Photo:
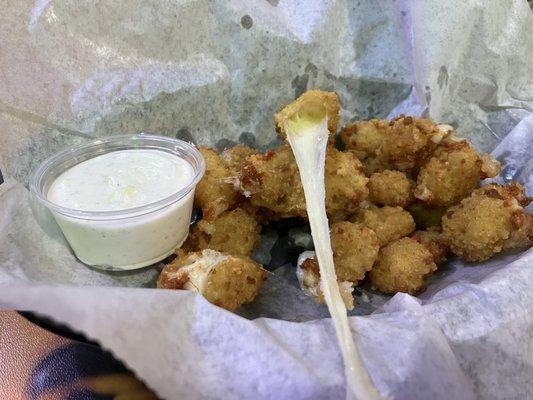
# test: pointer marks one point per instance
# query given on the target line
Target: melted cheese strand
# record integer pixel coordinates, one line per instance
(309, 150)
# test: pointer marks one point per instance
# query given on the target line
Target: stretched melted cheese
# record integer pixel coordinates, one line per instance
(310, 152)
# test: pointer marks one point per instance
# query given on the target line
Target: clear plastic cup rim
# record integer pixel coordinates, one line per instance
(115, 143)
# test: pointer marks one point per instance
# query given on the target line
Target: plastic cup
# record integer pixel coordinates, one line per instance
(122, 239)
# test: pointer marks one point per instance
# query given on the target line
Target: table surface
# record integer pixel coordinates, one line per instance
(37, 364)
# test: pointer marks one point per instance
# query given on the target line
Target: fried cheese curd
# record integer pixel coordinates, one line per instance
(235, 159)
(234, 232)
(433, 240)
(272, 181)
(355, 248)
(402, 266)
(224, 280)
(308, 273)
(390, 188)
(215, 192)
(409, 141)
(489, 221)
(346, 184)
(452, 172)
(236, 156)
(389, 223)
(327, 100)
(373, 165)
(364, 137)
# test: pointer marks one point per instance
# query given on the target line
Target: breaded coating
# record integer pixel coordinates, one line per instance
(272, 181)
(452, 172)
(435, 242)
(224, 280)
(355, 248)
(390, 188)
(261, 215)
(346, 184)
(522, 233)
(426, 216)
(215, 192)
(235, 157)
(490, 220)
(233, 232)
(364, 137)
(490, 167)
(309, 99)
(402, 266)
(373, 165)
(389, 223)
(308, 274)
(409, 141)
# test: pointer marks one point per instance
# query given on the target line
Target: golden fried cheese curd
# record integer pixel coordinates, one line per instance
(215, 192)
(488, 221)
(409, 141)
(364, 137)
(452, 172)
(390, 188)
(320, 98)
(389, 223)
(402, 266)
(272, 181)
(346, 183)
(433, 240)
(234, 232)
(235, 157)
(355, 249)
(224, 280)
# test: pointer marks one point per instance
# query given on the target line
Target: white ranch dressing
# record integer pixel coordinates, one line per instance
(310, 153)
(121, 180)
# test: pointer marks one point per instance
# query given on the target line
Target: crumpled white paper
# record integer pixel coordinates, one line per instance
(215, 72)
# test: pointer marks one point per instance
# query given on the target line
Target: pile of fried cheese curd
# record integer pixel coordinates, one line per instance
(400, 197)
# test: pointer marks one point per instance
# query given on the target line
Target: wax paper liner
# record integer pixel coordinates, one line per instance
(215, 72)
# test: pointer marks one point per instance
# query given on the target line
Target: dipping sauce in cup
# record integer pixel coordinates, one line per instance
(122, 202)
